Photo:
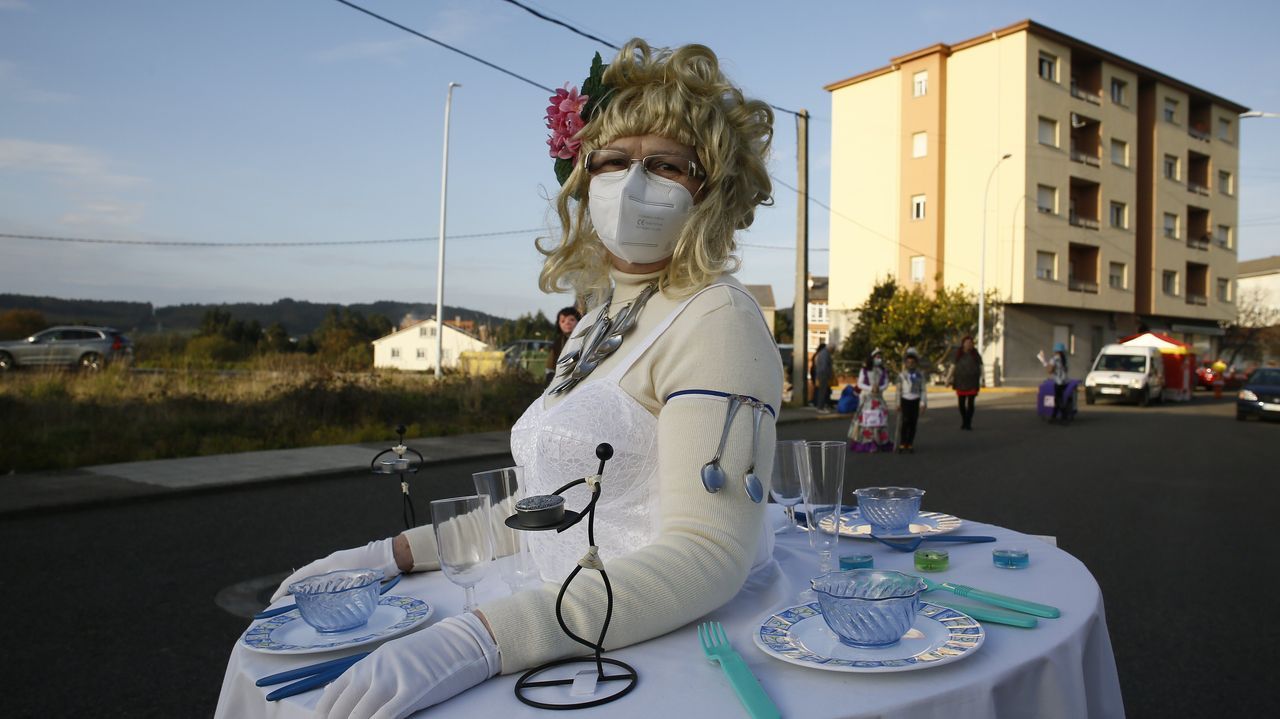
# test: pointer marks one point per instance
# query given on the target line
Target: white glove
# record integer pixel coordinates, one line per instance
(414, 672)
(374, 555)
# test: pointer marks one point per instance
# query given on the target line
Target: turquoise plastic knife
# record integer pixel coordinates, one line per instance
(991, 616)
(1000, 600)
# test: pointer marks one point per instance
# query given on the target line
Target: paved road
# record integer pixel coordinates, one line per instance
(1172, 509)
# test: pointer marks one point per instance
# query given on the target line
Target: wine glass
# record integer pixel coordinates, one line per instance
(464, 541)
(787, 487)
(823, 491)
(505, 487)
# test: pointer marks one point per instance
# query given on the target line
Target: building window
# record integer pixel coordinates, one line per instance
(1120, 153)
(1116, 278)
(1169, 282)
(1048, 132)
(422, 331)
(1171, 110)
(1223, 236)
(395, 352)
(422, 353)
(1171, 225)
(1046, 264)
(917, 269)
(1224, 129)
(1048, 67)
(1119, 215)
(920, 84)
(1047, 199)
(818, 313)
(920, 144)
(1224, 182)
(1224, 289)
(917, 207)
(1171, 167)
(1119, 92)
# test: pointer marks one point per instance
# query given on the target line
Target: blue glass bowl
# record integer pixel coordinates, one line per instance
(868, 608)
(338, 601)
(889, 510)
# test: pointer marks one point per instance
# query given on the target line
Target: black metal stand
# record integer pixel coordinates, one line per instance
(400, 466)
(628, 677)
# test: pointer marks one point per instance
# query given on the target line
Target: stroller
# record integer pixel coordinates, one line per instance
(1044, 400)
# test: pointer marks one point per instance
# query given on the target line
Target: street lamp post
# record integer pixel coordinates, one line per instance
(444, 194)
(982, 269)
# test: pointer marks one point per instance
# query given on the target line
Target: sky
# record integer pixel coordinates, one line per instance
(244, 121)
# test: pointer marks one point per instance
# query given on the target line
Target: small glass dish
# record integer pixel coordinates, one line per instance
(868, 608)
(889, 510)
(338, 601)
(1011, 558)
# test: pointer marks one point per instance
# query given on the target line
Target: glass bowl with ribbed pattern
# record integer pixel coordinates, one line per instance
(868, 608)
(338, 601)
(889, 510)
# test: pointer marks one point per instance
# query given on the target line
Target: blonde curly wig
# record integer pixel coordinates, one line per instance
(682, 95)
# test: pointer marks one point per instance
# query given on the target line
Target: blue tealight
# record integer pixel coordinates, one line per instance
(1017, 558)
(857, 561)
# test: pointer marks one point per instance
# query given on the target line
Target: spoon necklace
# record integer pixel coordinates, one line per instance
(602, 339)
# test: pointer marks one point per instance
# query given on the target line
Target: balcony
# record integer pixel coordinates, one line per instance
(1197, 299)
(1087, 96)
(1086, 140)
(1085, 158)
(1077, 221)
(1199, 231)
(1198, 243)
(1197, 188)
(1199, 119)
(1197, 283)
(1082, 268)
(1083, 205)
(1086, 78)
(1199, 133)
(1198, 173)
(1082, 286)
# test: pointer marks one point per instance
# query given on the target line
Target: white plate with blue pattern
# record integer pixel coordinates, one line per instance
(799, 635)
(288, 634)
(926, 524)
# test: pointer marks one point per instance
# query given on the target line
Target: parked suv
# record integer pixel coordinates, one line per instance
(89, 348)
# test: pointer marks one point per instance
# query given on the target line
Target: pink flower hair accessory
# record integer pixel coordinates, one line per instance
(568, 112)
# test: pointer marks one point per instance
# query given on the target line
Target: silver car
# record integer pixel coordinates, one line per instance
(89, 348)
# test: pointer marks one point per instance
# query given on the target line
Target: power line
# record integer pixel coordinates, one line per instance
(318, 243)
(446, 46)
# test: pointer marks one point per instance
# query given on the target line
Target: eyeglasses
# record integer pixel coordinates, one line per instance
(670, 167)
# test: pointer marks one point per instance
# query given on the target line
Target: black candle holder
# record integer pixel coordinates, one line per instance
(400, 465)
(591, 560)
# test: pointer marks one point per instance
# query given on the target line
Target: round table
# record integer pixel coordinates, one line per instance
(1062, 668)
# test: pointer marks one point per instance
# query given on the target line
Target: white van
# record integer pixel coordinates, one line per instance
(1133, 374)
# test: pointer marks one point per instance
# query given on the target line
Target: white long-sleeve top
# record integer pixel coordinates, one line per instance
(706, 543)
(912, 385)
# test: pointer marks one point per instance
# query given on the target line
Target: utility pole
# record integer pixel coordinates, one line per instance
(800, 312)
(444, 195)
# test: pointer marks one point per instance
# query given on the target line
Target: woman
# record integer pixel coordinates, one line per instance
(669, 169)
(869, 431)
(913, 399)
(966, 379)
(1057, 368)
(566, 321)
(822, 373)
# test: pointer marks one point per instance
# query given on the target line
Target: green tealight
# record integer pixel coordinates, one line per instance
(932, 560)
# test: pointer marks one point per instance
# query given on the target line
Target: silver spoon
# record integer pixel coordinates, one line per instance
(750, 481)
(712, 473)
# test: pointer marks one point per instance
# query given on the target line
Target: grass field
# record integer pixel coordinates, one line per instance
(62, 420)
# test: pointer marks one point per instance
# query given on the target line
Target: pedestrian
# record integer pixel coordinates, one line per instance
(1057, 367)
(913, 399)
(869, 431)
(659, 169)
(966, 379)
(566, 322)
(822, 373)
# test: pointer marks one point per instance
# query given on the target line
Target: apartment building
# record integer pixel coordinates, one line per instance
(1094, 195)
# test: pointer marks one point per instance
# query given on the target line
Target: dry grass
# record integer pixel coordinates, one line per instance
(61, 420)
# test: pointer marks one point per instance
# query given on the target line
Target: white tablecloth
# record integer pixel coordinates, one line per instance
(1062, 668)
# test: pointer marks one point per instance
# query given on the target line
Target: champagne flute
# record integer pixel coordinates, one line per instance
(787, 487)
(464, 541)
(505, 487)
(823, 492)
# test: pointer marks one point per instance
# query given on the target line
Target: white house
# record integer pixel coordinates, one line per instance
(414, 347)
(1258, 281)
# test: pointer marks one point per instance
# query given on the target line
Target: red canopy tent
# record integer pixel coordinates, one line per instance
(1179, 363)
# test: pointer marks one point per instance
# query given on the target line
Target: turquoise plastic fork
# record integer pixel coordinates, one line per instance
(715, 644)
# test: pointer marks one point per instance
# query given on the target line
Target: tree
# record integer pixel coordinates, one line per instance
(1246, 335)
(893, 319)
(871, 313)
(17, 324)
(783, 327)
(525, 327)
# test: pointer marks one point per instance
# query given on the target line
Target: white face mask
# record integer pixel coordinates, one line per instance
(638, 217)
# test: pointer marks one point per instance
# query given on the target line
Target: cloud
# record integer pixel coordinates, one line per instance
(14, 5)
(81, 166)
(14, 87)
(102, 214)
